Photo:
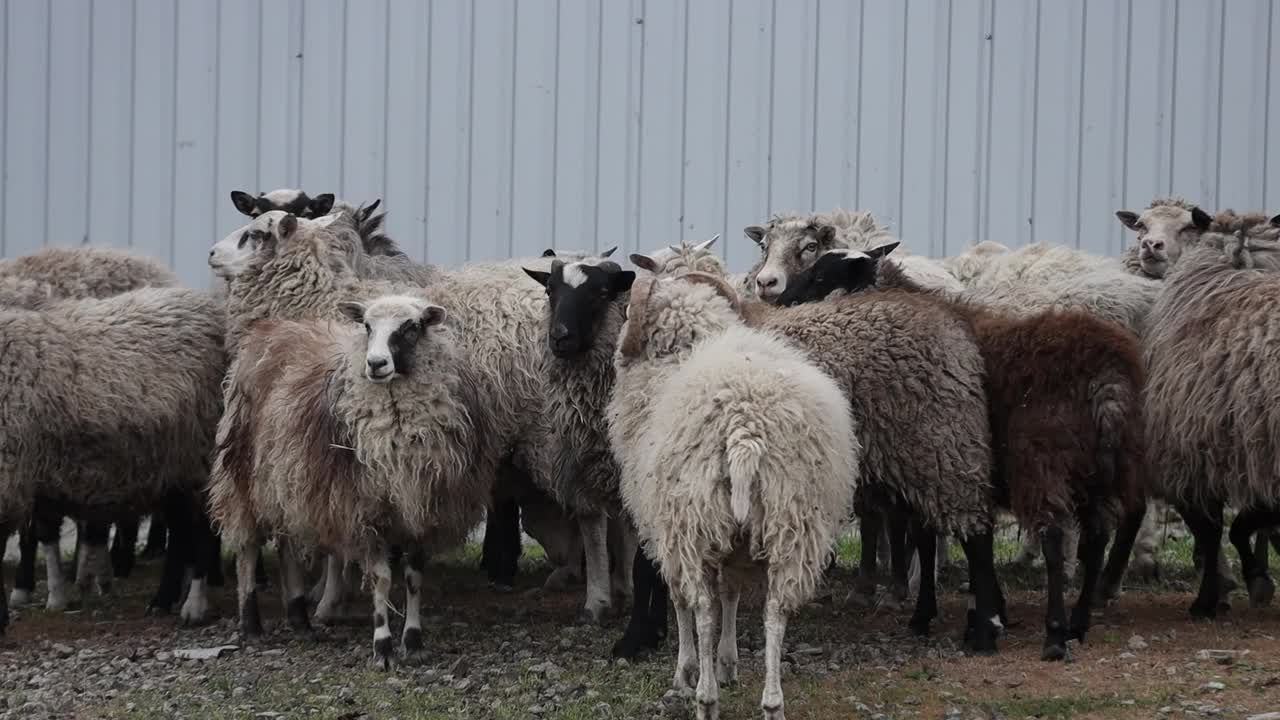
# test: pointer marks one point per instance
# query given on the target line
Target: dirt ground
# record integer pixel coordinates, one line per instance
(520, 655)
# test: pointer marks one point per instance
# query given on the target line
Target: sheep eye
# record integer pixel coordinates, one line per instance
(811, 247)
(366, 328)
(244, 237)
(1142, 227)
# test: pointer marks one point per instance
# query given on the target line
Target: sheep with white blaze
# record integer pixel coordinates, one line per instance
(739, 456)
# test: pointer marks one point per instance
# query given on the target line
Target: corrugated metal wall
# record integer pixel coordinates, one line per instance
(499, 127)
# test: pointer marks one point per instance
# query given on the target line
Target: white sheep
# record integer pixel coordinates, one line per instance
(736, 451)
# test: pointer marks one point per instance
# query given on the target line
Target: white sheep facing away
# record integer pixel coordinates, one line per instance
(737, 453)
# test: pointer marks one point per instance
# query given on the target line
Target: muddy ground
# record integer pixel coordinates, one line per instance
(520, 655)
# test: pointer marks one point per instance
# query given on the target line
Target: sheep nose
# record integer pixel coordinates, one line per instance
(377, 363)
(1155, 244)
(559, 332)
(767, 282)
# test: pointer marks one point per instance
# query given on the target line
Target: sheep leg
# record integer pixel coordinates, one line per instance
(94, 563)
(293, 587)
(260, 571)
(595, 531)
(1118, 562)
(1249, 522)
(1143, 563)
(623, 540)
(177, 551)
(1055, 621)
(381, 568)
(216, 576)
(708, 692)
(24, 582)
(884, 546)
(727, 652)
(204, 555)
(123, 546)
(57, 599)
(1029, 551)
(687, 655)
(157, 534)
(926, 599)
(317, 591)
(1205, 522)
(1071, 549)
(775, 630)
(415, 564)
(1093, 546)
(501, 540)
(872, 529)
(899, 518)
(330, 606)
(5, 531)
(247, 591)
(648, 623)
(986, 616)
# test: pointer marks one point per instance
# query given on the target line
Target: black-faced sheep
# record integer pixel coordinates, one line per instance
(738, 455)
(1064, 393)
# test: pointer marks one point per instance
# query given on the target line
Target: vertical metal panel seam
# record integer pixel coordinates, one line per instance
(684, 121)
(728, 105)
(985, 164)
(4, 124)
(511, 145)
(639, 130)
(1173, 97)
(173, 120)
(342, 101)
(902, 118)
(296, 141)
(595, 209)
(48, 110)
(1035, 125)
(88, 123)
(426, 145)
(773, 71)
(217, 112)
(257, 135)
(133, 112)
(1222, 43)
(862, 35)
(940, 219)
(471, 113)
(1125, 99)
(813, 126)
(1084, 43)
(386, 100)
(555, 126)
(1266, 106)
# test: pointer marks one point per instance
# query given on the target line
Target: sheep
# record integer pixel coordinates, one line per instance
(1165, 228)
(361, 440)
(790, 242)
(56, 273)
(1037, 400)
(109, 405)
(1209, 399)
(739, 456)
(289, 200)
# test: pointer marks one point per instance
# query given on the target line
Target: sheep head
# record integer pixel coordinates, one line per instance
(290, 200)
(839, 269)
(674, 260)
(1165, 229)
(255, 244)
(393, 326)
(579, 295)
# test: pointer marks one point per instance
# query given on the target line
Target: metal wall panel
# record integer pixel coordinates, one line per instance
(501, 127)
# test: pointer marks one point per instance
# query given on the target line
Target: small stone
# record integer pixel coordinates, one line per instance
(274, 652)
(1265, 716)
(536, 710)
(204, 653)
(1137, 643)
(64, 651)
(1127, 656)
(911, 700)
(566, 644)
(1212, 687)
(462, 685)
(460, 668)
(1165, 710)
(239, 691)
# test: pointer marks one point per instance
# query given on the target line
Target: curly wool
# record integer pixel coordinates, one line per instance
(915, 378)
(107, 403)
(79, 272)
(752, 452)
(1212, 376)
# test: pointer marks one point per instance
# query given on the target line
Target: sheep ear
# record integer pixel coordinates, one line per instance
(644, 262)
(352, 310)
(756, 233)
(824, 234)
(364, 212)
(609, 252)
(432, 315)
(1130, 219)
(1276, 221)
(244, 202)
(326, 220)
(621, 281)
(288, 226)
(322, 204)
(1200, 218)
(549, 252)
(540, 276)
(882, 250)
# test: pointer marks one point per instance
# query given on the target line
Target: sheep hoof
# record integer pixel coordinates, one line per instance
(772, 709)
(979, 637)
(638, 638)
(297, 613)
(685, 679)
(157, 609)
(1054, 652)
(1204, 610)
(250, 618)
(920, 626)
(382, 653)
(56, 602)
(1261, 591)
(560, 579)
(727, 671)
(1106, 595)
(593, 614)
(708, 709)
(501, 587)
(19, 597)
(413, 640)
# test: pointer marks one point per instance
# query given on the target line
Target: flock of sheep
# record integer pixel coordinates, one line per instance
(360, 408)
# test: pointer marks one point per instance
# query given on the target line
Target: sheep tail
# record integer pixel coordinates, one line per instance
(745, 449)
(1118, 421)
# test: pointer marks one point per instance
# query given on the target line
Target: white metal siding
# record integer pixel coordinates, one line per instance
(500, 127)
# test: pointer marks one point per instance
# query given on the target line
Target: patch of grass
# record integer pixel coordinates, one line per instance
(1052, 708)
